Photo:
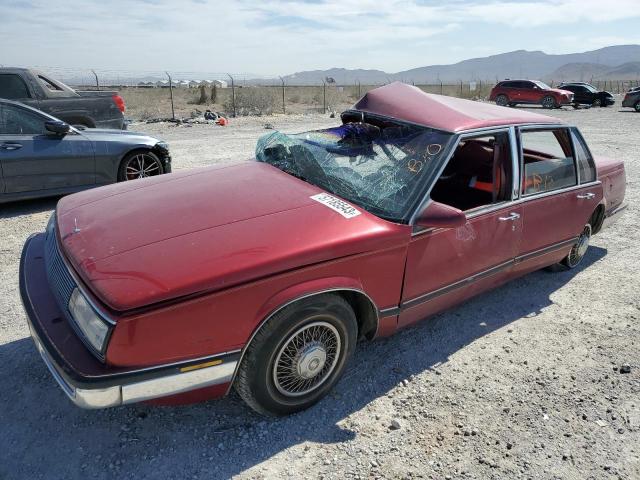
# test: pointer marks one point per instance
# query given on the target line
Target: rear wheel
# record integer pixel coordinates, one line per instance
(139, 165)
(502, 100)
(579, 250)
(297, 357)
(548, 102)
(575, 105)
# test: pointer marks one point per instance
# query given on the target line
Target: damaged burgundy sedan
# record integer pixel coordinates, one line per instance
(263, 275)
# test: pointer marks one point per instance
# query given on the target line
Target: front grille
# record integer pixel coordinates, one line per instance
(62, 284)
(60, 280)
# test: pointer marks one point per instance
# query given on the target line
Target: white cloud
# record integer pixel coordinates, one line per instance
(273, 36)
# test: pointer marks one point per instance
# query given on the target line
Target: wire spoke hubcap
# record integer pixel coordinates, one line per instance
(580, 248)
(306, 359)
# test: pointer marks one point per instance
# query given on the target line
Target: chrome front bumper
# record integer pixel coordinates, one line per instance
(88, 382)
(138, 391)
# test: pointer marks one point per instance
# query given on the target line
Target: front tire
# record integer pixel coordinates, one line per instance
(549, 102)
(297, 357)
(637, 106)
(141, 164)
(596, 103)
(502, 100)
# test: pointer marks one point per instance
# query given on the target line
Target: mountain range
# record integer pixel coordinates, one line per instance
(619, 62)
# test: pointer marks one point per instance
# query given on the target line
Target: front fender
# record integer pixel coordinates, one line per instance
(305, 289)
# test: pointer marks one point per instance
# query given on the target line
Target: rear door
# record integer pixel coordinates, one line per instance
(33, 159)
(556, 201)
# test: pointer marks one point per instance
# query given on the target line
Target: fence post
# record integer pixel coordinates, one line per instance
(324, 96)
(460, 88)
(359, 94)
(233, 95)
(97, 82)
(284, 109)
(173, 113)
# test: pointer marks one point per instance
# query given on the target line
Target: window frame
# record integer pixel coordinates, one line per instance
(26, 87)
(538, 128)
(27, 111)
(575, 134)
(510, 131)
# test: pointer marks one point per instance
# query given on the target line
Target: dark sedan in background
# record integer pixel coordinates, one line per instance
(43, 156)
(632, 99)
(587, 94)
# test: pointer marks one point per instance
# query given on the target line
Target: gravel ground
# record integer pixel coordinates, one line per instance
(523, 382)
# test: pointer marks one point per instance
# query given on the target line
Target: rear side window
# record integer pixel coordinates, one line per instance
(13, 87)
(586, 166)
(17, 121)
(48, 84)
(548, 162)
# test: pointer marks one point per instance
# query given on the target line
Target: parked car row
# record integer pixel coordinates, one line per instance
(40, 155)
(262, 276)
(534, 92)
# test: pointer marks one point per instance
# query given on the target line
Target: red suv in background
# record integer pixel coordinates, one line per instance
(513, 92)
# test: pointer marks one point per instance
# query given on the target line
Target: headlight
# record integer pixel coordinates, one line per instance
(94, 329)
(163, 146)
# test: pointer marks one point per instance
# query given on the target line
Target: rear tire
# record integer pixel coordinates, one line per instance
(577, 253)
(579, 250)
(502, 100)
(140, 164)
(548, 102)
(297, 357)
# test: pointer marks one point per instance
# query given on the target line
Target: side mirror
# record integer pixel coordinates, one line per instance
(57, 127)
(439, 215)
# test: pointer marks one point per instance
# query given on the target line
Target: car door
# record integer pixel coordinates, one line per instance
(33, 159)
(581, 94)
(515, 92)
(445, 266)
(556, 202)
(533, 93)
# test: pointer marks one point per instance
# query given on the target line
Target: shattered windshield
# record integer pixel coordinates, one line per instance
(382, 168)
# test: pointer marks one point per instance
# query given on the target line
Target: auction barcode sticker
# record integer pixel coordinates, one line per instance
(334, 203)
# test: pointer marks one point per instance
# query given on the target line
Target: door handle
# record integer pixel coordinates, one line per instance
(512, 216)
(586, 195)
(11, 146)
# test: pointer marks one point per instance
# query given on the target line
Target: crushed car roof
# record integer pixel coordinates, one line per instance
(410, 104)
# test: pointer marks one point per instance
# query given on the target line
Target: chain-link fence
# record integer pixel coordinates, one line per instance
(159, 94)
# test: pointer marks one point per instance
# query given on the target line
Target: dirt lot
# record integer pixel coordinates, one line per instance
(523, 382)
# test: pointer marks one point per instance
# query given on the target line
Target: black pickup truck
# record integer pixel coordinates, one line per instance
(92, 109)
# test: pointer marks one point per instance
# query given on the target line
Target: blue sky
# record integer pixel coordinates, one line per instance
(280, 37)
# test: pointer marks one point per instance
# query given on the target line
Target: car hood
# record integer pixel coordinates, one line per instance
(560, 91)
(147, 241)
(110, 135)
